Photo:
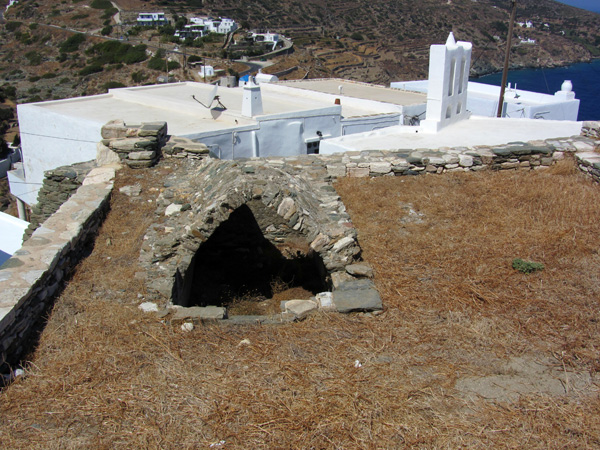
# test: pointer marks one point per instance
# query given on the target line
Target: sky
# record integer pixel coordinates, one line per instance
(592, 5)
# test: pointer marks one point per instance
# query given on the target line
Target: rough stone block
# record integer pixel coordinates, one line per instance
(200, 312)
(358, 172)
(360, 270)
(300, 308)
(380, 167)
(104, 155)
(336, 170)
(147, 155)
(357, 295)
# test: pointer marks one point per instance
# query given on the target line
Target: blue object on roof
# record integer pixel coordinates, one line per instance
(245, 78)
(3, 257)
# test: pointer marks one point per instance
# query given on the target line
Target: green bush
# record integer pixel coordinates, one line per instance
(112, 85)
(72, 43)
(194, 58)
(6, 113)
(34, 58)
(113, 52)
(33, 78)
(106, 30)
(526, 266)
(357, 36)
(92, 68)
(48, 75)
(4, 150)
(138, 77)
(101, 4)
(12, 26)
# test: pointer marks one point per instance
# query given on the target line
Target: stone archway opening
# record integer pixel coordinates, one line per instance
(251, 262)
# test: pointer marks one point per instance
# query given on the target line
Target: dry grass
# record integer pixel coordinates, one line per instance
(107, 376)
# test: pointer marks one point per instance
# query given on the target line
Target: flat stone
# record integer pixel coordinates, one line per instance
(148, 307)
(300, 308)
(358, 295)
(342, 244)
(360, 270)
(287, 208)
(465, 160)
(99, 175)
(143, 155)
(380, 167)
(337, 278)
(358, 172)
(200, 312)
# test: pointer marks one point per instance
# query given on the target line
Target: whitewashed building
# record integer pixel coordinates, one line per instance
(201, 26)
(284, 119)
(152, 19)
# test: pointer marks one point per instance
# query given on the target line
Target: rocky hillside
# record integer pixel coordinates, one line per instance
(42, 57)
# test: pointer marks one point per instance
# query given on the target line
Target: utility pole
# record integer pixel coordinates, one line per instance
(507, 56)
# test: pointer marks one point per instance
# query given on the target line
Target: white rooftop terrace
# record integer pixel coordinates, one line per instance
(359, 90)
(174, 104)
(467, 133)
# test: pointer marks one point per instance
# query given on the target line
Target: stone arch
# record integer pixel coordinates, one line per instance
(299, 222)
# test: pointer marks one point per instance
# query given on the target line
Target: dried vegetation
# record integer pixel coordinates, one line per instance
(107, 376)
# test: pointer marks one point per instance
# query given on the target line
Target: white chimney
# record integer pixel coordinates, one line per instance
(252, 101)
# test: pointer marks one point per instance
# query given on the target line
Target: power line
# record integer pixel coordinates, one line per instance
(61, 138)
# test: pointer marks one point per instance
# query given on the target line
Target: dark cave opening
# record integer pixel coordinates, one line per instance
(238, 261)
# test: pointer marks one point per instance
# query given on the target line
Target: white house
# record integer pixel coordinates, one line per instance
(193, 30)
(292, 119)
(152, 19)
(267, 38)
(201, 26)
(482, 100)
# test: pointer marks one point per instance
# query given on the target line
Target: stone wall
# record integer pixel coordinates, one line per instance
(34, 274)
(588, 156)
(138, 146)
(296, 208)
(59, 185)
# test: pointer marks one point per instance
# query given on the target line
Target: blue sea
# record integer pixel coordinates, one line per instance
(584, 76)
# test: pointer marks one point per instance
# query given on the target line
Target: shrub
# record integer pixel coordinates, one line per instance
(34, 58)
(138, 77)
(526, 266)
(112, 85)
(194, 58)
(6, 113)
(48, 75)
(80, 16)
(72, 43)
(12, 26)
(92, 68)
(33, 78)
(4, 150)
(357, 36)
(33, 26)
(101, 4)
(106, 30)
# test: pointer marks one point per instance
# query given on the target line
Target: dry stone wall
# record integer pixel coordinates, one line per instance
(58, 186)
(34, 274)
